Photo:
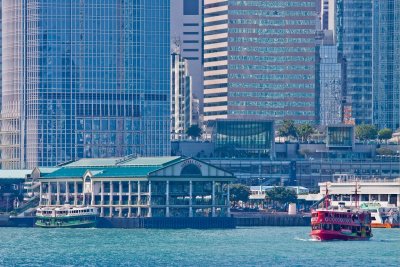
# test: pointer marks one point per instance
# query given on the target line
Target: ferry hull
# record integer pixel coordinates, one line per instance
(384, 225)
(77, 225)
(325, 235)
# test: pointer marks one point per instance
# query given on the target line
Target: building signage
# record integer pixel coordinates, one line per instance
(191, 161)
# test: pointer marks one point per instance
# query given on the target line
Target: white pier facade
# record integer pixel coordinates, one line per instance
(140, 187)
(342, 189)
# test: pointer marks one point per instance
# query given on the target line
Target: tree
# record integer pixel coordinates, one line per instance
(304, 131)
(304, 152)
(281, 195)
(287, 129)
(238, 192)
(385, 134)
(385, 151)
(366, 132)
(194, 131)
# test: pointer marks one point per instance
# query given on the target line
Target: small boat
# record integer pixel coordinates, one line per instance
(66, 217)
(383, 217)
(341, 223)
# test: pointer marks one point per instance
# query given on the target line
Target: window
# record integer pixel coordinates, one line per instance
(191, 7)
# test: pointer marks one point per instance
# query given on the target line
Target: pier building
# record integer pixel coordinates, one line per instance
(342, 189)
(140, 187)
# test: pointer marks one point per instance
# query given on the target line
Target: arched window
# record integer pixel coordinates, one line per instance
(191, 170)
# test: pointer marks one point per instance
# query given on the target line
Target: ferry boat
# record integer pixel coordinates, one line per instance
(66, 217)
(340, 224)
(383, 217)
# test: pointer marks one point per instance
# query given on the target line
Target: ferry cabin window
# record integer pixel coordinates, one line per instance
(326, 226)
(316, 227)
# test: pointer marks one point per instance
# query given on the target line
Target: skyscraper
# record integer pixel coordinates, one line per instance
(181, 97)
(187, 28)
(386, 64)
(84, 79)
(330, 75)
(354, 35)
(259, 60)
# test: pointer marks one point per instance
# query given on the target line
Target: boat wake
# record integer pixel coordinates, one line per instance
(305, 239)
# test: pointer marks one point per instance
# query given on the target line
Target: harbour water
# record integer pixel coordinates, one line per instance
(255, 246)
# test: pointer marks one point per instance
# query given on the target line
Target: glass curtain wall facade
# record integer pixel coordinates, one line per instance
(244, 139)
(386, 64)
(259, 60)
(330, 86)
(354, 33)
(84, 79)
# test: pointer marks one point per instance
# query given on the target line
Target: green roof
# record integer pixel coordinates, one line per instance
(44, 170)
(67, 173)
(96, 162)
(123, 172)
(149, 161)
(14, 174)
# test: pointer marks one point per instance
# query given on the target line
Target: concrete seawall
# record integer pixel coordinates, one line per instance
(270, 219)
(237, 219)
(167, 223)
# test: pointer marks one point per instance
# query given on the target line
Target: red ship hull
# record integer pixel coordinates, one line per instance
(326, 235)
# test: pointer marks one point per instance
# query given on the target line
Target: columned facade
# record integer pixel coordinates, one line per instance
(189, 188)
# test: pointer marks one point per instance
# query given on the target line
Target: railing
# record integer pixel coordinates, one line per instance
(33, 202)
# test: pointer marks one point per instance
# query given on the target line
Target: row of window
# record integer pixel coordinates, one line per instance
(270, 76)
(275, 104)
(270, 86)
(272, 58)
(271, 40)
(273, 4)
(273, 95)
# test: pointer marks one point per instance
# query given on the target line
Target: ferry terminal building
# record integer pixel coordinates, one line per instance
(139, 187)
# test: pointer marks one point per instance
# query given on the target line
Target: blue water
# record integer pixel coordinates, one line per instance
(257, 246)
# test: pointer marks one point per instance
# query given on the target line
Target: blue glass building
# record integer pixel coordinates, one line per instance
(84, 79)
(354, 34)
(386, 64)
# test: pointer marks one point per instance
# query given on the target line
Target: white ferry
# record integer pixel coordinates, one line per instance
(383, 217)
(66, 217)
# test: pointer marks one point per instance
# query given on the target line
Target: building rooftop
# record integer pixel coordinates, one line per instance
(14, 174)
(112, 167)
(44, 170)
(94, 162)
(149, 161)
(126, 172)
(67, 173)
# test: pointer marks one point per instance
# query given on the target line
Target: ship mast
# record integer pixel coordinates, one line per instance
(356, 194)
(326, 196)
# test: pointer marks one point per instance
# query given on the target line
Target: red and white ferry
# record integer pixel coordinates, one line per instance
(340, 224)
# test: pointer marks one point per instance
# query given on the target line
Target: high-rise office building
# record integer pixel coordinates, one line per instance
(84, 79)
(328, 15)
(330, 82)
(187, 29)
(259, 60)
(386, 64)
(181, 97)
(354, 35)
